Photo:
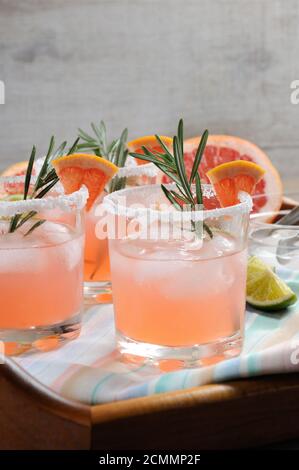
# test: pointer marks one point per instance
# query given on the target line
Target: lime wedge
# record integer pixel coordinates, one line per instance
(264, 289)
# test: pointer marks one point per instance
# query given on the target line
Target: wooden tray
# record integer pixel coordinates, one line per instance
(236, 414)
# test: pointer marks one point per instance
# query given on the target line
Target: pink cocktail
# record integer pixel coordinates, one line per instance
(177, 297)
(41, 272)
(97, 273)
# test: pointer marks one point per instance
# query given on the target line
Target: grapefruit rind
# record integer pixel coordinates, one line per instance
(236, 168)
(85, 161)
(148, 141)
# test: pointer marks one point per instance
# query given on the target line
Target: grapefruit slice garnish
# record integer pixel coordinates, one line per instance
(81, 169)
(150, 142)
(267, 196)
(228, 179)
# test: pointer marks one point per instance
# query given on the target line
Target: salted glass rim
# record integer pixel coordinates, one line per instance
(131, 169)
(65, 202)
(111, 204)
(148, 169)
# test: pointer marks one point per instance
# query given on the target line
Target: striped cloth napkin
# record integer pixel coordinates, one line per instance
(89, 369)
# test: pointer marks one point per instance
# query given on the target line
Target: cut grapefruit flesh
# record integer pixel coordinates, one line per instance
(268, 192)
(81, 169)
(17, 169)
(150, 142)
(9, 188)
(228, 179)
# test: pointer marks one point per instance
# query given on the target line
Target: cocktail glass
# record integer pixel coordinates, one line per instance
(276, 244)
(178, 294)
(97, 275)
(41, 280)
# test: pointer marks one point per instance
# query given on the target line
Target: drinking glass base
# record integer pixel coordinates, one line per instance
(171, 357)
(97, 292)
(39, 338)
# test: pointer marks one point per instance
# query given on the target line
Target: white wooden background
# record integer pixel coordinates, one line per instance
(222, 64)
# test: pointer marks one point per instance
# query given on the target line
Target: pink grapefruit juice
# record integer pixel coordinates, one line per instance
(167, 296)
(96, 257)
(40, 276)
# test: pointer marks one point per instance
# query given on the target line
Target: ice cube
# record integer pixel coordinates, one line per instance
(18, 255)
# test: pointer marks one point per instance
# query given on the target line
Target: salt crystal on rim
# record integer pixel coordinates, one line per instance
(65, 202)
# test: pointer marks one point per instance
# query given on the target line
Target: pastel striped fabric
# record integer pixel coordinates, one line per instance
(90, 370)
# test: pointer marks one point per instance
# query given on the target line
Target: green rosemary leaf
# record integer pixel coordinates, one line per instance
(118, 183)
(101, 137)
(181, 191)
(179, 196)
(14, 222)
(170, 197)
(103, 134)
(113, 145)
(50, 177)
(46, 189)
(164, 157)
(148, 156)
(173, 166)
(88, 147)
(199, 154)
(83, 135)
(121, 154)
(29, 172)
(25, 217)
(44, 167)
(60, 150)
(178, 156)
(143, 157)
(74, 147)
(208, 230)
(37, 224)
(170, 174)
(181, 136)
(165, 148)
(198, 189)
(99, 145)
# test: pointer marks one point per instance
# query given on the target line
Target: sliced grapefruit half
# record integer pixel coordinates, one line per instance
(83, 169)
(150, 142)
(228, 179)
(267, 195)
(17, 169)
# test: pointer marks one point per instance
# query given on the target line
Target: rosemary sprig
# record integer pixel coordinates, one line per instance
(115, 151)
(45, 181)
(173, 165)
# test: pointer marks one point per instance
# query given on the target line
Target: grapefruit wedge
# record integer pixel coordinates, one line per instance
(230, 178)
(150, 142)
(83, 169)
(267, 195)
